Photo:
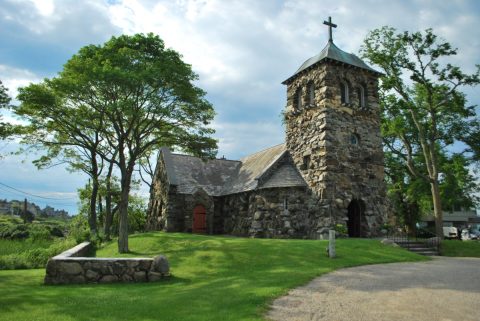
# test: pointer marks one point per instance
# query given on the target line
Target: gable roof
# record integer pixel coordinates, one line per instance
(268, 168)
(190, 173)
(332, 52)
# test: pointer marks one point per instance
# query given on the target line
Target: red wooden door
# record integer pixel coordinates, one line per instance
(199, 219)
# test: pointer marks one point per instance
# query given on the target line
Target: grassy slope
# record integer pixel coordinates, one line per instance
(460, 248)
(214, 278)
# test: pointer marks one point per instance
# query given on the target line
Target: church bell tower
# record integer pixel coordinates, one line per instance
(332, 122)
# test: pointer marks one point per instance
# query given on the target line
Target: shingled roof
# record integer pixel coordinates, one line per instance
(332, 52)
(268, 168)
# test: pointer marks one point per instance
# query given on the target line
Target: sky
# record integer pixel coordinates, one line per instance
(242, 51)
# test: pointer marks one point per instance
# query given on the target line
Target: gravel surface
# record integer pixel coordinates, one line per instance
(441, 289)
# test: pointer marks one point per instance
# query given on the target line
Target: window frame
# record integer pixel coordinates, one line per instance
(344, 92)
(311, 93)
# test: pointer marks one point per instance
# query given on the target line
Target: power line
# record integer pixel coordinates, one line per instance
(43, 197)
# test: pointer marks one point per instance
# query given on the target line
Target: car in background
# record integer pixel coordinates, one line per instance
(450, 232)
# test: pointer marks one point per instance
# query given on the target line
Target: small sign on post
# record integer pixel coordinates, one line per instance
(331, 244)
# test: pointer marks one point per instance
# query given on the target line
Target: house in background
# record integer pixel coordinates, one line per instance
(462, 218)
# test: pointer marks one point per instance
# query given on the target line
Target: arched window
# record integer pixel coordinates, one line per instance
(362, 97)
(297, 99)
(311, 93)
(354, 139)
(344, 94)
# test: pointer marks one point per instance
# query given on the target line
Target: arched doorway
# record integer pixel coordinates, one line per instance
(354, 223)
(199, 219)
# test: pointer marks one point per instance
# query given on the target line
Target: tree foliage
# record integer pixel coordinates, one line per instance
(4, 104)
(128, 96)
(424, 110)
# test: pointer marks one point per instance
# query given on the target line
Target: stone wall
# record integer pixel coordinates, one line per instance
(159, 200)
(319, 137)
(70, 267)
(289, 212)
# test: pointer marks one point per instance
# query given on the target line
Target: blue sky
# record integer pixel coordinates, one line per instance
(242, 51)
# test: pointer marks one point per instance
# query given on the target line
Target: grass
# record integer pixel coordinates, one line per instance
(214, 278)
(460, 248)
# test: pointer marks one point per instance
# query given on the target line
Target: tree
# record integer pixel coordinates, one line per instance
(423, 108)
(137, 96)
(4, 104)
(411, 197)
(65, 132)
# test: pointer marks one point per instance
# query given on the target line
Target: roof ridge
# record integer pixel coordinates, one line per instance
(221, 159)
(263, 150)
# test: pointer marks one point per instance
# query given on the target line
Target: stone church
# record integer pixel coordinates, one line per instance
(329, 170)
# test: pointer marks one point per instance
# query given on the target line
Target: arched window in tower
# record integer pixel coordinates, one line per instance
(354, 139)
(362, 97)
(311, 93)
(297, 99)
(344, 94)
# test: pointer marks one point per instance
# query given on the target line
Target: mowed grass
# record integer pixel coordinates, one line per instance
(460, 248)
(213, 278)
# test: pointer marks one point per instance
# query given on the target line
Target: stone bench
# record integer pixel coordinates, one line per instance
(72, 267)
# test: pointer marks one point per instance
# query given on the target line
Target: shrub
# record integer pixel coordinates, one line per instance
(79, 230)
(39, 232)
(341, 229)
(35, 257)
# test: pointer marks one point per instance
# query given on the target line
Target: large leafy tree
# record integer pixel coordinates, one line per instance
(136, 95)
(65, 132)
(424, 110)
(411, 196)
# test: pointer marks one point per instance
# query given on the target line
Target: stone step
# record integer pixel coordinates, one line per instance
(427, 253)
(419, 249)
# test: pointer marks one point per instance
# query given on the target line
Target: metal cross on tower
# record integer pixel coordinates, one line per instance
(330, 25)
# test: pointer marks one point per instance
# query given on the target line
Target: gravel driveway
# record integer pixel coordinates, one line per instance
(441, 289)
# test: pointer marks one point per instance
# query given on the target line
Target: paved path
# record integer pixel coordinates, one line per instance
(438, 290)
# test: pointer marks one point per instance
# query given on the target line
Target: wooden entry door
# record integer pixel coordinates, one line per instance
(354, 219)
(199, 219)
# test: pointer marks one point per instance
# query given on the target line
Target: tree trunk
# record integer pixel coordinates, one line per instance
(108, 204)
(92, 218)
(150, 226)
(437, 209)
(123, 222)
(126, 178)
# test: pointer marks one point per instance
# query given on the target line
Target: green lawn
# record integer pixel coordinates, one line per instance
(460, 248)
(214, 278)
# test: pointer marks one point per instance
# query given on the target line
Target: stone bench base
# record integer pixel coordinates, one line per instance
(70, 268)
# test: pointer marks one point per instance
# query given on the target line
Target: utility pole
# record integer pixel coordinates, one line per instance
(25, 211)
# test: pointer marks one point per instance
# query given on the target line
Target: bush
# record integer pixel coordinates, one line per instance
(79, 230)
(341, 229)
(14, 232)
(39, 232)
(36, 257)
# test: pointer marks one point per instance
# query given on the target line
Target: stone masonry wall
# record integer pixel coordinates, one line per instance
(319, 137)
(159, 199)
(70, 268)
(289, 212)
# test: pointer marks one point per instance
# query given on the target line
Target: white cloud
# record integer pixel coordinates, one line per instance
(44, 7)
(14, 78)
(239, 139)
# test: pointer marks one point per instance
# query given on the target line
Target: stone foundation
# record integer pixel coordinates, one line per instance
(70, 267)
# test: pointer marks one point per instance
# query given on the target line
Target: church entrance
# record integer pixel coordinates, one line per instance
(199, 219)
(355, 213)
